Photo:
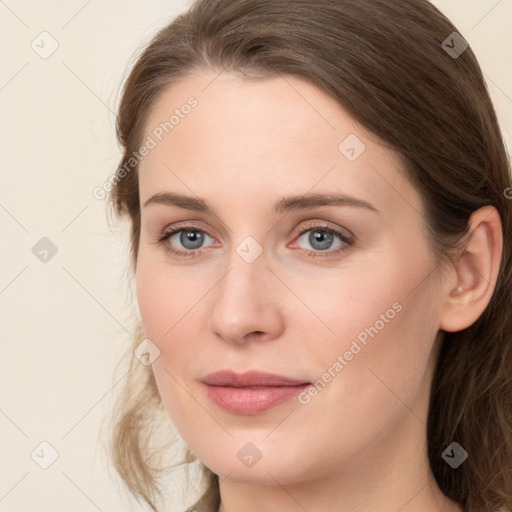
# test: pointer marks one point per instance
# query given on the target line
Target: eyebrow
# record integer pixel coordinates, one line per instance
(289, 203)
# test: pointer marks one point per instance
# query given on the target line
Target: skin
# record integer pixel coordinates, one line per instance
(360, 443)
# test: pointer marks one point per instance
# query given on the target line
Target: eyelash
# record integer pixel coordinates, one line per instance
(323, 228)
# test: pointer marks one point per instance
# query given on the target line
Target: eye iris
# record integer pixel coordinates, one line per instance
(323, 237)
(320, 240)
(195, 237)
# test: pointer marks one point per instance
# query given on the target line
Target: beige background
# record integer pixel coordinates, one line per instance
(65, 323)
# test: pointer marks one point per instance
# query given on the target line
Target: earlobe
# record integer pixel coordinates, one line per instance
(476, 271)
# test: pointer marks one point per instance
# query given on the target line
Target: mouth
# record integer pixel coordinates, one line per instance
(252, 392)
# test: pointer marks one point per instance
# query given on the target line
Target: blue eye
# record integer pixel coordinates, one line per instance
(189, 238)
(321, 238)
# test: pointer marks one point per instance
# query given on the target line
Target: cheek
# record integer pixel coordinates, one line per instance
(384, 363)
(365, 301)
(150, 301)
(376, 384)
(160, 297)
(162, 308)
(168, 302)
(382, 322)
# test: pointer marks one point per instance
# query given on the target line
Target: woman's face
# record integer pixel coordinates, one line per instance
(258, 284)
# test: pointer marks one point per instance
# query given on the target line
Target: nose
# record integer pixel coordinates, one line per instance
(245, 303)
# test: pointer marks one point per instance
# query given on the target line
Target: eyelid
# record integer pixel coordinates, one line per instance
(346, 236)
(320, 225)
(299, 230)
(185, 225)
(172, 229)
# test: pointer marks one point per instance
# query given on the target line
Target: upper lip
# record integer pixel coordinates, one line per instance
(251, 378)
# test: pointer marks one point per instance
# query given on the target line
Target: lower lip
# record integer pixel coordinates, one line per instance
(252, 401)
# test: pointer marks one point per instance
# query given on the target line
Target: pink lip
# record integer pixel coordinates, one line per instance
(251, 392)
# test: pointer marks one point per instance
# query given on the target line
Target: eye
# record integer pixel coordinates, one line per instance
(321, 239)
(188, 237)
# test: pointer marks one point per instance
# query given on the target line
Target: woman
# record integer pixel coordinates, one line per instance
(319, 200)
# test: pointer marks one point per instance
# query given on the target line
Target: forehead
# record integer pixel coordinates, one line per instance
(260, 137)
(279, 109)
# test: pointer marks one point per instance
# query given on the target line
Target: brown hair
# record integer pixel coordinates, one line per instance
(384, 62)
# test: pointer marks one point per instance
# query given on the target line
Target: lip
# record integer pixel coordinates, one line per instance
(252, 392)
(250, 378)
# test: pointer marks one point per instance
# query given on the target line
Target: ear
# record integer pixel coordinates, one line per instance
(473, 279)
